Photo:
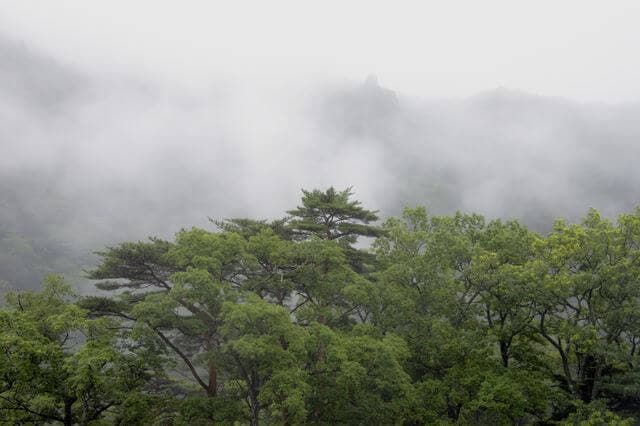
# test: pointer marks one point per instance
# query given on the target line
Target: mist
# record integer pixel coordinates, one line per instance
(290, 212)
(89, 158)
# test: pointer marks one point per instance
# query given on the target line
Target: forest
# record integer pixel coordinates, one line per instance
(331, 315)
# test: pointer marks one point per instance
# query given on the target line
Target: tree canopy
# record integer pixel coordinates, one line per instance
(451, 319)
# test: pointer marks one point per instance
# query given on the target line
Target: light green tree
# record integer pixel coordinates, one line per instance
(59, 365)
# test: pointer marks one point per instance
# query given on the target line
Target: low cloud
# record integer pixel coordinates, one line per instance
(89, 159)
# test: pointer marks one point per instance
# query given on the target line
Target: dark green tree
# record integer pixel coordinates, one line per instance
(332, 215)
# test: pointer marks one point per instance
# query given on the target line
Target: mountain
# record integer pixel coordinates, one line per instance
(88, 160)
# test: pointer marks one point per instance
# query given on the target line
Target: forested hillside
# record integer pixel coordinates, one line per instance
(445, 319)
(89, 159)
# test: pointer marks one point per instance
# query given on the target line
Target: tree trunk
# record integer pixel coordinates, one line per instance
(504, 353)
(285, 417)
(68, 413)
(590, 371)
(255, 407)
(567, 372)
(212, 389)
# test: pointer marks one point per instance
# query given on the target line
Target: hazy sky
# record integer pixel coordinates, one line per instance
(585, 50)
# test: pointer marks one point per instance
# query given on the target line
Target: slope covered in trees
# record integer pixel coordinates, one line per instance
(445, 319)
(90, 157)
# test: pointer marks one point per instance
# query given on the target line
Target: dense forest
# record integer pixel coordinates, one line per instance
(330, 316)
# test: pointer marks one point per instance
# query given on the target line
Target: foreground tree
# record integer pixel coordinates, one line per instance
(333, 216)
(59, 365)
(589, 303)
(263, 353)
(450, 288)
(450, 320)
(172, 294)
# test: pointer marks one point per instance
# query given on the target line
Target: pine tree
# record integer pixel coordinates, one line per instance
(332, 215)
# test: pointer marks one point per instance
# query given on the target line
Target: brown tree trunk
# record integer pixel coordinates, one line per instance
(285, 417)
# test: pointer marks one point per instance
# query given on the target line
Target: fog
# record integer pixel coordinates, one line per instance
(91, 155)
(127, 157)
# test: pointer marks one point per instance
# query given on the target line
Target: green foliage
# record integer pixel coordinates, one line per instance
(446, 320)
(595, 414)
(58, 364)
(263, 351)
(332, 215)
